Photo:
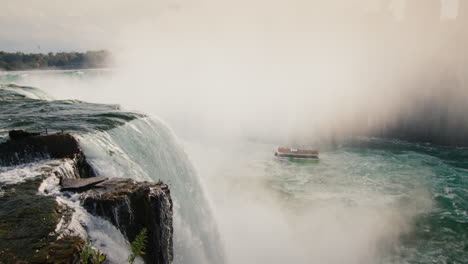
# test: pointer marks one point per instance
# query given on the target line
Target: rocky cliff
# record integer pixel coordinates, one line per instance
(132, 206)
(36, 228)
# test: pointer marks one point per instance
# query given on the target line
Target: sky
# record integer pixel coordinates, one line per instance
(64, 25)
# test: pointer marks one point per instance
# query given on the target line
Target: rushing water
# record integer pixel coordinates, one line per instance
(120, 144)
(368, 200)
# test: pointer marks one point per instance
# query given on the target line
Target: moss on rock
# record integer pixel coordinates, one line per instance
(27, 227)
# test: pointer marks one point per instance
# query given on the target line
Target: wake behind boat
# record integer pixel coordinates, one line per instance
(297, 155)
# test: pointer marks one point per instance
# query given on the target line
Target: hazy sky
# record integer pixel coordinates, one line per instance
(64, 25)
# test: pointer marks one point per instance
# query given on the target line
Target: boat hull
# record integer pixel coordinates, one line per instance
(295, 158)
(295, 155)
(299, 160)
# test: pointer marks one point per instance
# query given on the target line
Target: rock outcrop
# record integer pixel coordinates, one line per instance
(132, 206)
(27, 227)
(29, 219)
(20, 134)
(27, 147)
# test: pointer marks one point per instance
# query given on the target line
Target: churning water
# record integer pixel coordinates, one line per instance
(368, 200)
(121, 144)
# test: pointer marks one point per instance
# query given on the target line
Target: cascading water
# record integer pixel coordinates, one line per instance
(145, 149)
(106, 237)
(117, 144)
(367, 201)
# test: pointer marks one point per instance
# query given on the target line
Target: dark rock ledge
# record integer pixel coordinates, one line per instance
(26, 147)
(131, 206)
(28, 220)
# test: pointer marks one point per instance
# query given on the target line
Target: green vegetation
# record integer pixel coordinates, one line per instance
(86, 252)
(138, 245)
(97, 257)
(62, 60)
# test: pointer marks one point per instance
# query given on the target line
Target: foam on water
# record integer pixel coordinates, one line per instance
(24, 172)
(142, 149)
(376, 201)
(104, 236)
(359, 204)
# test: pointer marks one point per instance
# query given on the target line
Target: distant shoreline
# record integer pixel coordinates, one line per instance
(19, 61)
(53, 70)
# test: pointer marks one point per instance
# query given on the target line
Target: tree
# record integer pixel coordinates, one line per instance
(76, 60)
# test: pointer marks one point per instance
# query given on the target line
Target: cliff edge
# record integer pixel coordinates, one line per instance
(37, 172)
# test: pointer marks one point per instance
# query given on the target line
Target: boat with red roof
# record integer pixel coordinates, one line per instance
(297, 155)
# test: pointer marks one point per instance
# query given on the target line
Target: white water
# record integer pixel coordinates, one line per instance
(342, 212)
(21, 173)
(104, 236)
(143, 149)
(146, 149)
(336, 211)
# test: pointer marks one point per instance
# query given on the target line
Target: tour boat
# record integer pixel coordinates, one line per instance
(297, 155)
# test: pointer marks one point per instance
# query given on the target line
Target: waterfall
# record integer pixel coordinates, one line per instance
(146, 149)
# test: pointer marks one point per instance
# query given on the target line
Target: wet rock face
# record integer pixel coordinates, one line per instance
(28, 220)
(33, 223)
(27, 147)
(132, 206)
(21, 149)
(20, 134)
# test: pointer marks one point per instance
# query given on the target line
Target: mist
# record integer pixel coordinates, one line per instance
(302, 70)
(291, 72)
(299, 71)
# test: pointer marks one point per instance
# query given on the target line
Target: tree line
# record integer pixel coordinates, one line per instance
(61, 60)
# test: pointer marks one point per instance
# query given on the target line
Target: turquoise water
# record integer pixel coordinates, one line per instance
(122, 144)
(368, 200)
(29, 108)
(427, 183)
